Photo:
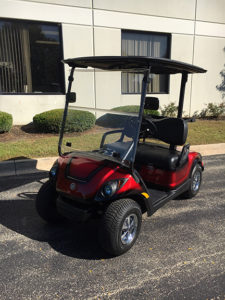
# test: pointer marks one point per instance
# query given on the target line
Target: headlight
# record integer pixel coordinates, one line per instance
(53, 171)
(110, 188)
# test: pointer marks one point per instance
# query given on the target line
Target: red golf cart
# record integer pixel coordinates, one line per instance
(132, 164)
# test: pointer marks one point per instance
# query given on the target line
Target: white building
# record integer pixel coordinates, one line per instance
(36, 34)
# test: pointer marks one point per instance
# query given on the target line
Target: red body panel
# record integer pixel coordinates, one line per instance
(83, 167)
(168, 179)
(96, 172)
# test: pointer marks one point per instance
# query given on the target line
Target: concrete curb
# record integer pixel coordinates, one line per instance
(16, 167)
(36, 165)
(210, 149)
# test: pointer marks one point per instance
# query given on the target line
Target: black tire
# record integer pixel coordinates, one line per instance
(46, 203)
(112, 231)
(195, 184)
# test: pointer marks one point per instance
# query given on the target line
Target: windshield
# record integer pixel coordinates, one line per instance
(100, 122)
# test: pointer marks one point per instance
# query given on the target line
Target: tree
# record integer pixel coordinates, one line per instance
(221, 87)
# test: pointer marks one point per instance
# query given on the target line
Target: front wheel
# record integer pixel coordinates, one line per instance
(120, 226)
(196, 180)
(46, 203)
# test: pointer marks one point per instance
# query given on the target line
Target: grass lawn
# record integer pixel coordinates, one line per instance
(200, 132)
(206, 132)
(43, 147)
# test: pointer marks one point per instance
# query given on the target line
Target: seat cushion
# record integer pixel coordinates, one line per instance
(158, 155)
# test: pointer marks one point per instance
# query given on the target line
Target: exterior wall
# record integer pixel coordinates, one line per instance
(80, 3)
(211, 11)
(171, 8)
(122, 20)
(94, 28)
(107, 41)
(37, 11)
(24, 107)
(210, 54)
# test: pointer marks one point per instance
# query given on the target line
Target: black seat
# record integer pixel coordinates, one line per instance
(169, 130)
(159, 156)
(172, 131)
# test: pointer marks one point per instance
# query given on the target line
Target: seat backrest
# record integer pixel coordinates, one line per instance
(151, 103)
(171, 130)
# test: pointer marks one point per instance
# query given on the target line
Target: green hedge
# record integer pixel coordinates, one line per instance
(135, 109)
(50, 121)
(6, 121)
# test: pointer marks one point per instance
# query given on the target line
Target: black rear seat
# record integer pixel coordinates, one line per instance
(172, 131)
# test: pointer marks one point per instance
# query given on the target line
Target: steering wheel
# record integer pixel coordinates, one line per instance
(149, 129)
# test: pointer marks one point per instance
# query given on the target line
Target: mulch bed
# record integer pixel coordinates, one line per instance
(18, 132)
(28, 131)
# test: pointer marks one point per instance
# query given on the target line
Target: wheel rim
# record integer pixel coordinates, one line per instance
(196, 181)
(129, 229)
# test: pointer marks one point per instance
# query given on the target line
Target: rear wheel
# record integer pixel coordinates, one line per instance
(120, 226)
(46, 203)
(196, 180)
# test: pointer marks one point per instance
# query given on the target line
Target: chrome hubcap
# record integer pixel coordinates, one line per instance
(129, 229)
(196, 181)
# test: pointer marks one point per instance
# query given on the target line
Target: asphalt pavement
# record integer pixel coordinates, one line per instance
(180, 253)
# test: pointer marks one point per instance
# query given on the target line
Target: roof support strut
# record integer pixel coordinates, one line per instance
(182, 91)
(70, 79)
(145, 82)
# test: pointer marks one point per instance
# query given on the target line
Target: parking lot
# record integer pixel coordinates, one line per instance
(180, 253)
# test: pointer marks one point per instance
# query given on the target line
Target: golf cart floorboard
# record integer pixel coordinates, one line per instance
(158, 196)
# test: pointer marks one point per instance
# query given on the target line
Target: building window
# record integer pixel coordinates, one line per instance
(136, 43)
(30, 57)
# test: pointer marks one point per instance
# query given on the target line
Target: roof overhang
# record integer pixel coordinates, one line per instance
(134, 64)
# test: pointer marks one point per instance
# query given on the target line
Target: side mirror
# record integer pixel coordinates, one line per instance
(71, 97)
(151, 103)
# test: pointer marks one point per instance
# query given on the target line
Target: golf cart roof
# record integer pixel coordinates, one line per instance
(133, 64)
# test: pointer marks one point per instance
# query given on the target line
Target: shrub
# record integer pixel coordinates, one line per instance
(216, 110)
(6, 122)
(112, 120)
(169, 110)
(50, 121)
(135, 109)
(212, 110)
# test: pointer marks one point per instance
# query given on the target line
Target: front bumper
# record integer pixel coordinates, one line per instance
(73, 211)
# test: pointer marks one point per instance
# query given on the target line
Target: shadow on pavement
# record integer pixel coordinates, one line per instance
(11, 182)
(74, 240)
(80, 240)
